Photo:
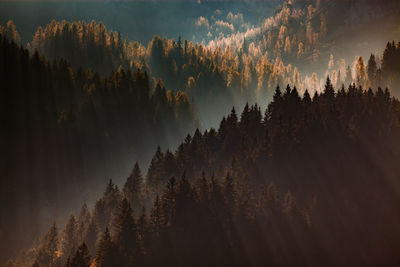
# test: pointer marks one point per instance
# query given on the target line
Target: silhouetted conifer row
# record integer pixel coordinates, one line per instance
(62, 129)
(312, 181)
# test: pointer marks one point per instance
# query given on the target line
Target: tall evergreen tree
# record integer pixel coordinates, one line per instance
(371, 70)
(81, 258)
(133, 186)
(48, 249)
(90, 237)
(126, 233)
(106, 251)
(69, 240)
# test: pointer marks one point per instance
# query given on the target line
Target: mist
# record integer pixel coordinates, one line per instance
(98, 86)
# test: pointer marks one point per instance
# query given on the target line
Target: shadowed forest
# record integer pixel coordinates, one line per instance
(237, 134)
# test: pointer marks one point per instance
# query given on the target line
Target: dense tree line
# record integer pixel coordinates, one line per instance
(62, 120)
(233, 71)
(9, 31)
(65, 129)
(380, 70)
(206, 73)
(387, 73)
(305, 33)
(181, 66)
(89, 45)
(312, 181)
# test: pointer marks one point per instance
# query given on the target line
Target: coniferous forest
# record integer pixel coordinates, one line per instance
(233, 134)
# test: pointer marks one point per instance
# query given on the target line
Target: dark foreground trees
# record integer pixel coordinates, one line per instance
(315, 181)
(60, 128)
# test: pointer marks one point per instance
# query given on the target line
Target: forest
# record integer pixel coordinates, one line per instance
(268, 137)
(227, 196)
(73, 126)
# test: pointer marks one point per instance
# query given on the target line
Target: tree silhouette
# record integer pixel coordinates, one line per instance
(81, 258)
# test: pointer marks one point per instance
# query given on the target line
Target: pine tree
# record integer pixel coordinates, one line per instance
(371, 70)
(90, 236)
(184, 202)
(232, 119)
(143, 233)
(360, 68)
(10, 32)
(100, 214)
(306, 98)
(69, 241)
(111, 199)
(216, 197)
(168, 200)
(83, 222)
(48, 250)
(273, 107)
(388, 59)
(126, 233)
(157, 221)
(203, 188)
(155, 172)
(229, 193)
(133, 186)
(81, 258)
(329, 92)
(142, 223)
(106, 251)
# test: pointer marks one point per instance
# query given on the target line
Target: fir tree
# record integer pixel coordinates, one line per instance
(133, 186)
(81, 258)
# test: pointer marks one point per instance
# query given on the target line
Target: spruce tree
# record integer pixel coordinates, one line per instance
(81, 258)
(69, 241)
(48, 248)
(371, 70)
(126, 233)
(106, 251)
(133, 186)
